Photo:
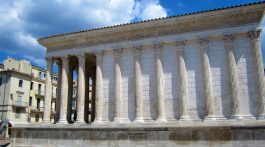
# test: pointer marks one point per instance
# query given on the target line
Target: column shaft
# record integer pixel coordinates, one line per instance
(58, 92)
(99, 88)
(206, 70)
(81, 89)
(159, 82)
(64, 91)
(48, 92)
(138, 84)
(232, 75)
(182, 80)
(259, 71)
(117, 86)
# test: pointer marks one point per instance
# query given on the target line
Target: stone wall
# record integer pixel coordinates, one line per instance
(140, 137)
(195, 98)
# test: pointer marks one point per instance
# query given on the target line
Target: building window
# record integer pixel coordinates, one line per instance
(31, 85)
(30, 101)
(1, 81)
(38, 104)
(37, 118)
(39, 88)
(17, 113)
(20, 84)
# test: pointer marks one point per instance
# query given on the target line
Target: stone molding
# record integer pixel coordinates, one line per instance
(193, 23)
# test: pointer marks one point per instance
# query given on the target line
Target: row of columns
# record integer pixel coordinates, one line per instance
(137, 50)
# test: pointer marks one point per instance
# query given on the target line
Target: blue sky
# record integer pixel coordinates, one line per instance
(23, 21)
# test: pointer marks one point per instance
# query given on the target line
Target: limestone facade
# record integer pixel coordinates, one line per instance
(168, 75)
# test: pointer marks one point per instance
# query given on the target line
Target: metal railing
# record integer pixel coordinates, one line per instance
(20, 104)
(39, 92)
(36, 109)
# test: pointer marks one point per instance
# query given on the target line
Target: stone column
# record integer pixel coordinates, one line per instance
(159, 82)
(58, 90)
(232, 75)
(81, 89)
(182, 80)
(258, 71)
(99, 88)
(48, 92)
(64, 91)
(206, 71)
(117, 86)
(138, 84)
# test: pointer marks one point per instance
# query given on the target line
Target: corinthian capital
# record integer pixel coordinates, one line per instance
(181, 43)
(99, 53)
(49, 59)
(229, 38)
(137, 50)
(117, 52)
(203, 41)
(158, 45)
(255, 34)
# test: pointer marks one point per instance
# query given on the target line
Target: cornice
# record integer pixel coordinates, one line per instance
(222, 18)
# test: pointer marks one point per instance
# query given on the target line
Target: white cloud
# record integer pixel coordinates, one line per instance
(153, 11)
(23, 21)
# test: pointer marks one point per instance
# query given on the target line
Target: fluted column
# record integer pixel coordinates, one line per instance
(206, 71)
(99, 88)
(138, 84)
(117, 86)
(81, 89)
(64, 91)
(232, 75)
(58, 90)
(159, 82)
(182, 80)
(258, 71)
(48, 92)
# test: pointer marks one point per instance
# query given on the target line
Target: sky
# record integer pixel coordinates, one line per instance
(22, 22)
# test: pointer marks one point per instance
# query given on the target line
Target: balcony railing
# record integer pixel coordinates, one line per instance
(39, 92)
(20, 104)
(36, 109)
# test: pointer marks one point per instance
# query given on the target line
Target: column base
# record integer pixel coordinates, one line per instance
(80, 122)
(261, 117)
(138, 120)
(46, 122)
(184, 118)
(62, 122)
(210, 118)
(237, 117)
(121, 120)
(161, 119)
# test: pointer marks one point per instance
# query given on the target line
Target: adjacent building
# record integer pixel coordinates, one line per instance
(22, 91)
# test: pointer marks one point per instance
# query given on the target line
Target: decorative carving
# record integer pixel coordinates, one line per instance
(82, 54)
(255, 34)
(99, 53)
(158, 45)
(203, 41)
(137, 50)
(181, 43)
(229, 38)
(117, 52)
